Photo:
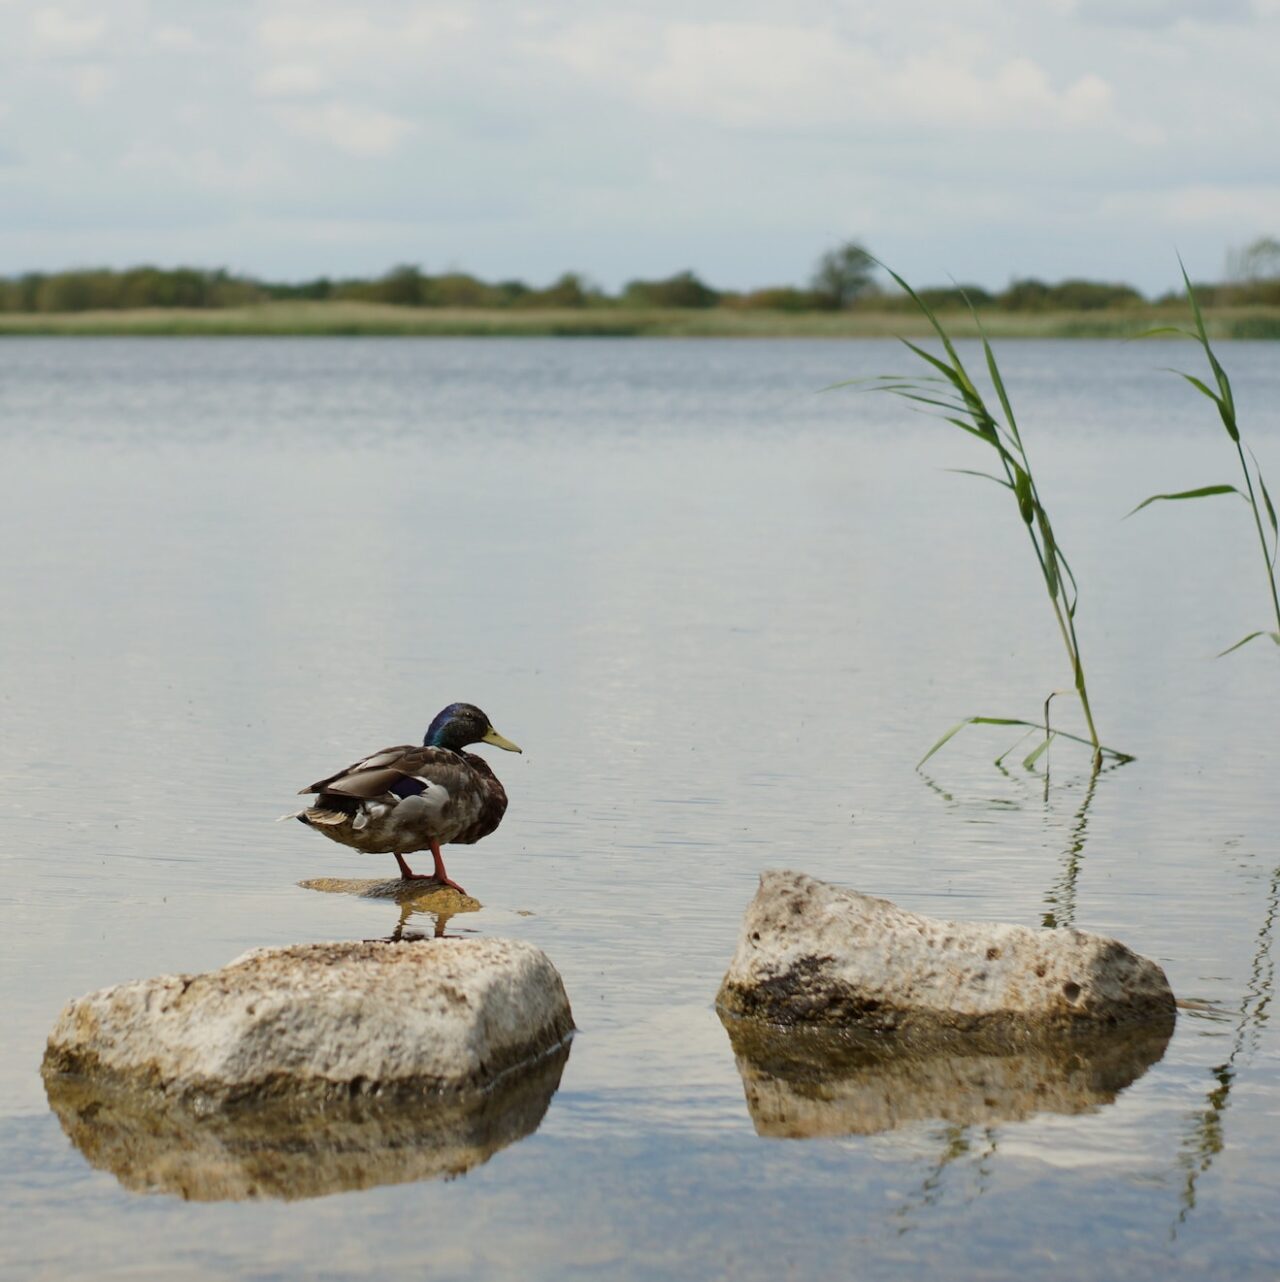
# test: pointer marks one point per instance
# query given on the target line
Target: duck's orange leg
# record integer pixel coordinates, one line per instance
(438, 873)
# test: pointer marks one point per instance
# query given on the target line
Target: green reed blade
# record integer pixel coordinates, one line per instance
(1050, 556)
(1161, 330)
(1204, 492)
(1200, 386)
(1266, 498)
(1036, 753)
(1064, 568)
(994, 370)
(1117, 756)
(884, 382)
(1226, 402)
(953, 405)
(1022, 490)
(951, 734)
(1021, 739)
(1262, 632)
(986, 476)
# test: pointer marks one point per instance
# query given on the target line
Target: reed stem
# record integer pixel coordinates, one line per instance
(953, 392)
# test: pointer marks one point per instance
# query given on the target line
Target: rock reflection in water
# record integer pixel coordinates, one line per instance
(154, 1145)
(802, 1083)
(420, 896)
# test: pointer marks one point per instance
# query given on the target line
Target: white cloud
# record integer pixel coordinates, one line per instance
(61, 32)
(773, 76)
(1158, 13)
(92, 82)
(1204, 204)
(178, 39)
(290, 80)
(354, 129)
(357, 36)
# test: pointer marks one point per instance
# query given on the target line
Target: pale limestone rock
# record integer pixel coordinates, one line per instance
(814, 954)
(323, 1021)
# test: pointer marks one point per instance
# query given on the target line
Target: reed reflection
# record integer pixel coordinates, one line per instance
(957, 1149)
(1206, 1137)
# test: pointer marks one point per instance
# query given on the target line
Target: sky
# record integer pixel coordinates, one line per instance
(977, 140)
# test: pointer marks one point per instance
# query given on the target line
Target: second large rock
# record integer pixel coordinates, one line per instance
(817, 955)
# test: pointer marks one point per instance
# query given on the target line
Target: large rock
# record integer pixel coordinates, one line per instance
(817, 955)
(323, 1021)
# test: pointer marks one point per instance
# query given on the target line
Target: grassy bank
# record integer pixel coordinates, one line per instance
(349, 318)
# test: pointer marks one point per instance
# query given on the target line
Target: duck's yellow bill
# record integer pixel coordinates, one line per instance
(493, 737)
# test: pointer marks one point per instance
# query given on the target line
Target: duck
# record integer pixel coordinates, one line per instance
(409, 798)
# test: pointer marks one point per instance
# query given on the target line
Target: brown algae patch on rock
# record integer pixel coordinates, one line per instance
(815, 955)
(322, 1022)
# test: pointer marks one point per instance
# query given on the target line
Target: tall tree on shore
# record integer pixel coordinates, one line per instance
(843, 273)
(1259, 260)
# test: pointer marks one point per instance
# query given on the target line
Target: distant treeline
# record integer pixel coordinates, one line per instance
(104, 289)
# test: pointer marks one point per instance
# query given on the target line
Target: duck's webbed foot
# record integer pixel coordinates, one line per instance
(406, 872)
(438, 875)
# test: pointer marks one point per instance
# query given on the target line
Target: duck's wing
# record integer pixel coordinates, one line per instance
(403, 771)
(379, 762)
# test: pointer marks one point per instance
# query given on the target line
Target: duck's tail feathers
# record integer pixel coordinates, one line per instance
(317, 817)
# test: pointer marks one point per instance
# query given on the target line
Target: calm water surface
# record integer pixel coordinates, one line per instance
(723, 614)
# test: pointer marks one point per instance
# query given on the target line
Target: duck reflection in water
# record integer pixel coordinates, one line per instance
(437, 903)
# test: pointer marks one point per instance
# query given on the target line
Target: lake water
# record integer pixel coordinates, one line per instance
(724, 613)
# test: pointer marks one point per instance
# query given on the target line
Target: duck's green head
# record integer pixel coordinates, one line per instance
(460, 724)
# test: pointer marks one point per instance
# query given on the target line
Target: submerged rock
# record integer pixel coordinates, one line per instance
(804, 1082)
(291, 1149)
(322, 1021)
(816, 955)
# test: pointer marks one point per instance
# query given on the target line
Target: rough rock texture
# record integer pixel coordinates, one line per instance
(283, 1148)
(802, 1082)
(814, 954)
(321, 1021)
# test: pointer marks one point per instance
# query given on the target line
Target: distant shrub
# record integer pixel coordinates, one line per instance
(102, 289)
(683, 289)
(569, 291)
(1024, 296)
(1069, 295)
(510, 291)
(402, 286)
(457, 289)
(312, 290)
(954, 297)
(1088, 295)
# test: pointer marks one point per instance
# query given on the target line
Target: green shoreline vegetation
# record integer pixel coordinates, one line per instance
(383, 319)
(842, 300)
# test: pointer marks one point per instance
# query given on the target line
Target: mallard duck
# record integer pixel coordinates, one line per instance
(404, 799)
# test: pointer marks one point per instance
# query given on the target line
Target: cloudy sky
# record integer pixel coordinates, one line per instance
(978, 139)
